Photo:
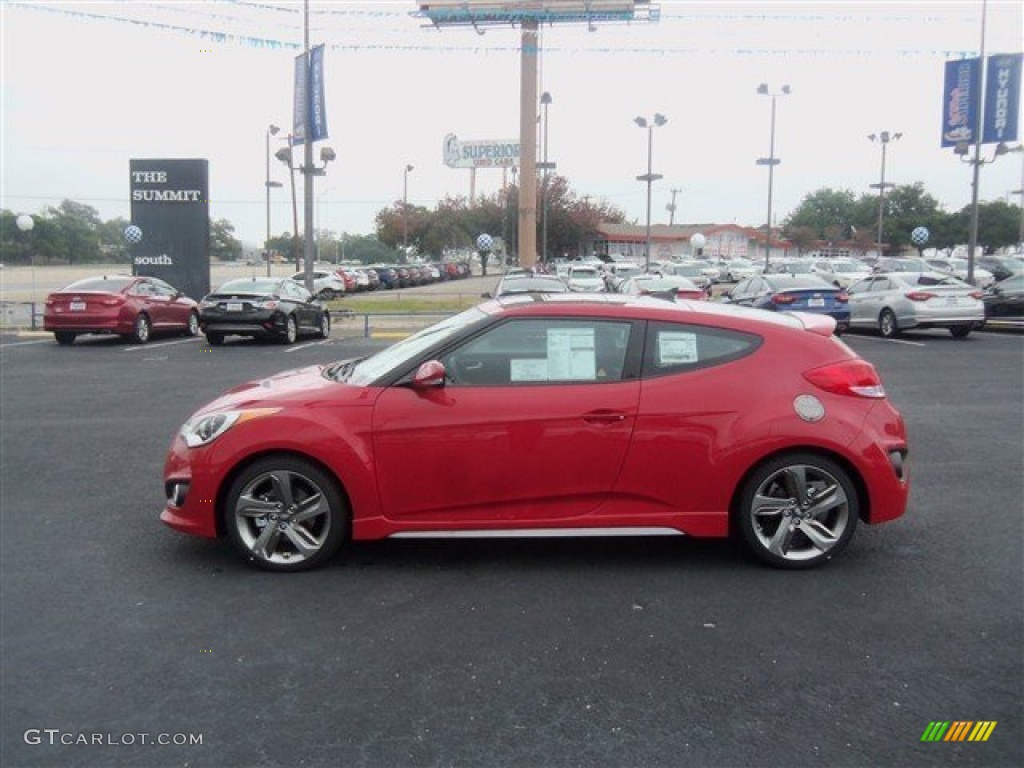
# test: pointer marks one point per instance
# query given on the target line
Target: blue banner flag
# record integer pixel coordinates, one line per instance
(309, 107)
(1002, 98)
(961, 93)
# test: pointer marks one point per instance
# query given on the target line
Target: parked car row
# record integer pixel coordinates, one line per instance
(331, 281)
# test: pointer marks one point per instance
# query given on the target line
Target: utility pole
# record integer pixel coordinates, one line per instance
(671, 207)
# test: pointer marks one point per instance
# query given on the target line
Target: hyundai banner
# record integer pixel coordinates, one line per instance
(309, 108)
(1002, 98)
(960, 102)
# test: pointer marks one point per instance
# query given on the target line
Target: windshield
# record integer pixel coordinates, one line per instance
(388, 360)
(841, 267)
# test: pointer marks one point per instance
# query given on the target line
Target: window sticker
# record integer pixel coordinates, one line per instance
(528, 370)
(571, 354)
(676, 348)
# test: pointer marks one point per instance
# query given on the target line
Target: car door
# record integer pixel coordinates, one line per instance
(177, 306)
(859, 302)
(532, 427)
(148, 300)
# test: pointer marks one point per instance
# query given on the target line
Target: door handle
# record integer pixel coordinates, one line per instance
(604, 417)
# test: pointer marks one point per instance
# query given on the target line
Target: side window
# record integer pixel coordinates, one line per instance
(881, 284)
(860, 286)
(143, 289)
(532, 352)
(678, 348)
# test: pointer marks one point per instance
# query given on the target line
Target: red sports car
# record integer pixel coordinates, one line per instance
(554, 414)
(134, 307)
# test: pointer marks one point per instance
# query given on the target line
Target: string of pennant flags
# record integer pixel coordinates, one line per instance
(258, 41)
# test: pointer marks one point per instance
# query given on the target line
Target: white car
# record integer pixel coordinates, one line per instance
(326, 283)
(958, 268)
(897, 301)
(842, 273)
(584, 279)
(734, 270)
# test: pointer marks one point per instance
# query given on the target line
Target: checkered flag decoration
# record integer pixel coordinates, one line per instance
(132, 234)
(484, 242)
(919, 236)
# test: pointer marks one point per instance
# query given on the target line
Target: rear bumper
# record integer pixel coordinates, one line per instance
(270, 323)
(81, 323)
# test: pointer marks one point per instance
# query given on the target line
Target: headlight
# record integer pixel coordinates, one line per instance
(203, 430)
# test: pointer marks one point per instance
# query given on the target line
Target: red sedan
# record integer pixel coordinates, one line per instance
(133, 307)
(554, 414)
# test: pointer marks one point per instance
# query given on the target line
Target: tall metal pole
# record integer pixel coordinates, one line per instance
(545, 99)
(771, 161)
(528, 145)
(405, 209)
(647, 235)
(307, 162)
(271, 130)
(972, 239)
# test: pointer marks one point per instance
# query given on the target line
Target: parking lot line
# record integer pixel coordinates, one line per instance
(894, 341)
(307, 346)
(137, 347)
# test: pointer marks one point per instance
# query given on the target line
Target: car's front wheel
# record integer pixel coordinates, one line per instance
(798, 510)
(192, 329)
(284, 513)
(325, 326)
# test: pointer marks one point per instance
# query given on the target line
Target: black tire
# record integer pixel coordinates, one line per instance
(302, 501)
(960, 331)
(192, 329)
(888, 325)
(142, 329)
(65, 338)
(291, 330)
(325, 325)
(780, 521)
(214, 339)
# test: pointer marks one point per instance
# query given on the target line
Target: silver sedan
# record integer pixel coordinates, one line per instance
(898, 301)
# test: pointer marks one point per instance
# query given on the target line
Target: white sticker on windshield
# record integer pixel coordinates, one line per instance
(677, 348)
(571, 355)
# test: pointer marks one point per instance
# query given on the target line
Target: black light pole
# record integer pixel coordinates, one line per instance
(271, 131)
(649, 177)
(882, 138)
(771, 161)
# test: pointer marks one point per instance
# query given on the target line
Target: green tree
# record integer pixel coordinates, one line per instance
(825, 210)
(223, 244)
(78, 225)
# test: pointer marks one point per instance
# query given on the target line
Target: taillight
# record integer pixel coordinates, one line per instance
(920, 295)
(113, 301)
(855, 378)
(783, 298)
(50, 301)
(842, 297)
(270, 303)
(976, 294)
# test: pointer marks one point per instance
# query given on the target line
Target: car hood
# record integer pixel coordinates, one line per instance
(305, 386)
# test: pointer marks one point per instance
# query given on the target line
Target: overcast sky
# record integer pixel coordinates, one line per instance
(86, 86)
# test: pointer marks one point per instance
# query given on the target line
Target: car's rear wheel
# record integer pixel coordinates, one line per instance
(960, 331)
(64, 338)
(291, 330)
(141, 329)
(888, 326)
(325, 326)
(214, 339)
(798, 510)
(284, 513)
(192, 329)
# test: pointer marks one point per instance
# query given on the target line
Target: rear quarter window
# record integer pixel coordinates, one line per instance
(673, 348)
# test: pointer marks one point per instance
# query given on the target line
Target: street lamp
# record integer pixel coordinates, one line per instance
(649, 177)
(309, 169)
(882, 138)
(405, 211)
(545, 100)
(271, 131)
(771, 161)
(962, 150)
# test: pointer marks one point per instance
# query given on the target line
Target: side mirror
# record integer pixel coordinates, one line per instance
(429, 375)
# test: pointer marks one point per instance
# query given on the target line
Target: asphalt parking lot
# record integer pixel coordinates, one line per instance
(119, 634)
